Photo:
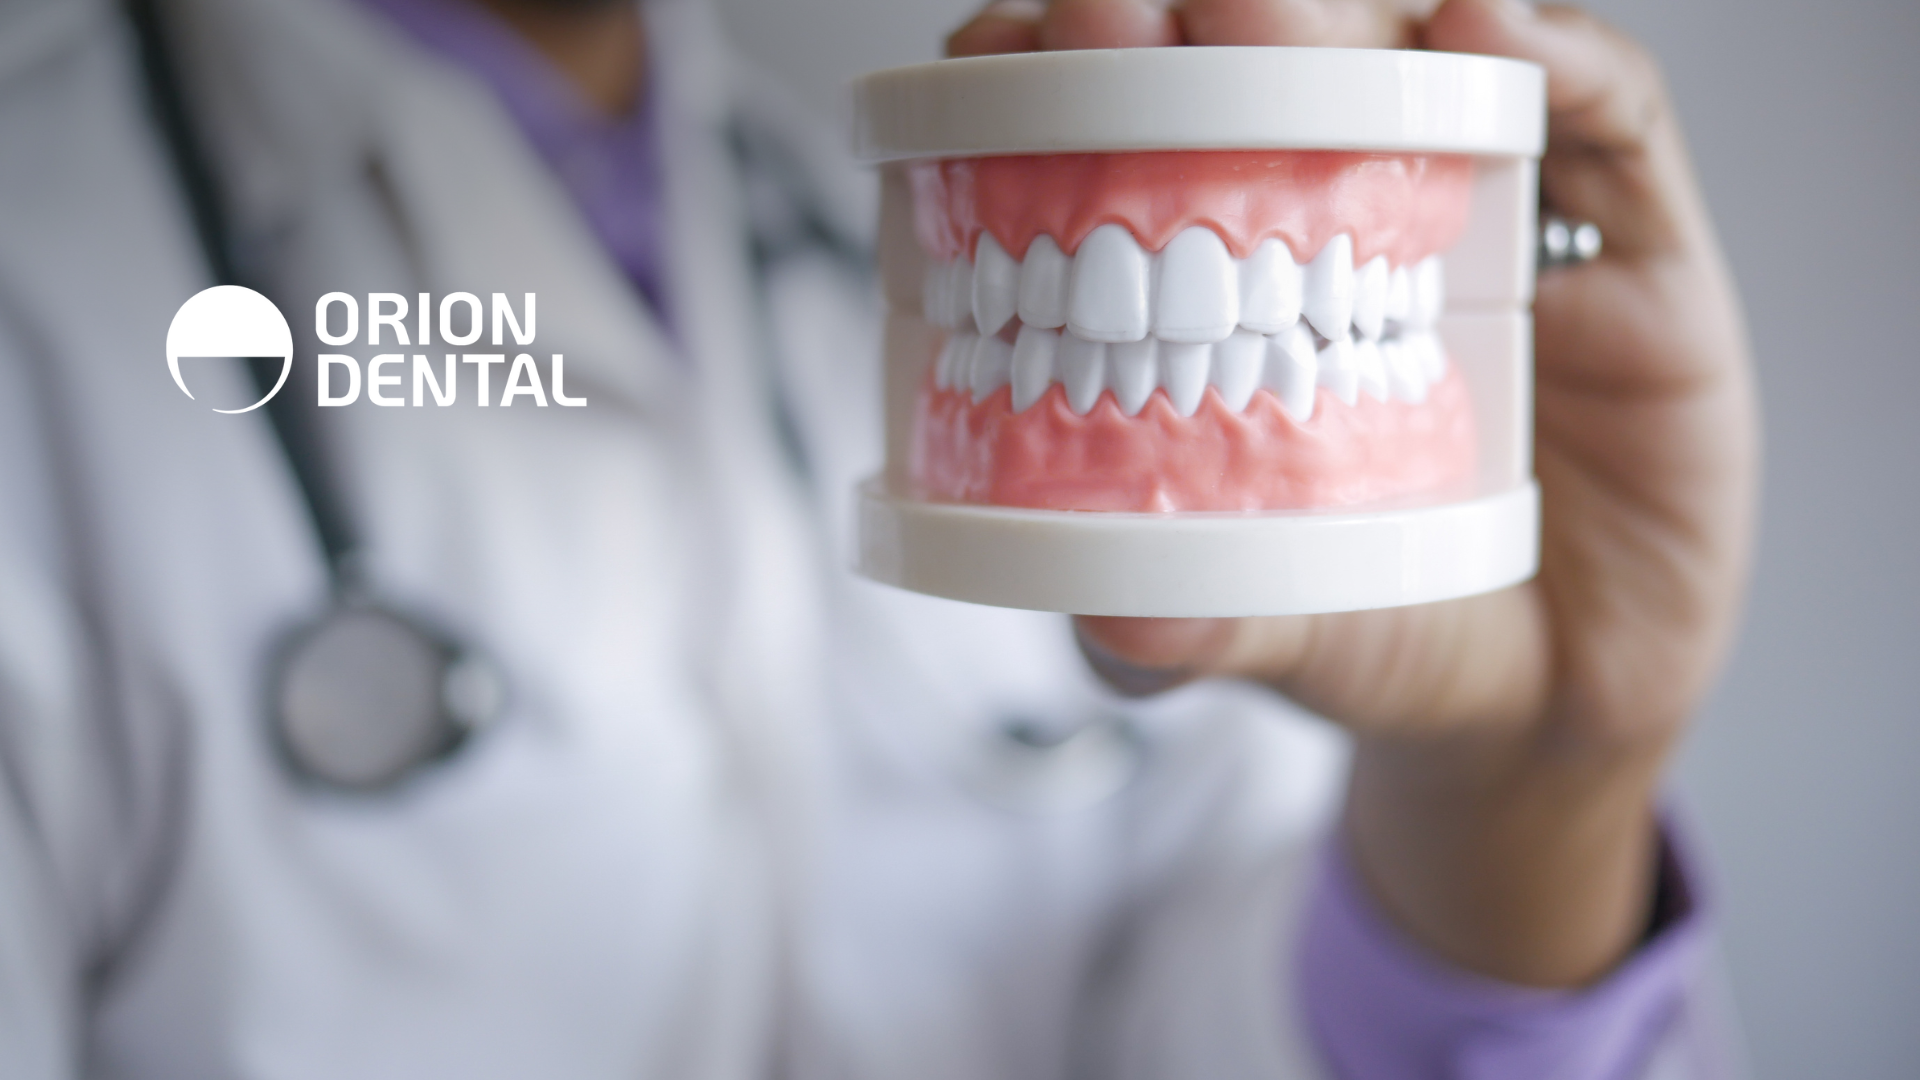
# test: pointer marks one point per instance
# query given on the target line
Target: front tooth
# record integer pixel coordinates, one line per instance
(1270, 288)
(1372, 368)
(1043, 284)
(1083, 371)
(1338, 372)
(1130, 371)
(1183, 371)
(955, 357)
(1032, 365)
(992, 363)
(1327, 297)
(1369, 298)
(1293, 372)
(1399, 295)
(1429, 292)
(1108, 297)
(996, 282)
(1403, 372)
(1199, 294)
(1236, 367)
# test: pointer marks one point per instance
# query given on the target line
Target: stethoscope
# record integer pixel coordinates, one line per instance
(365, 695)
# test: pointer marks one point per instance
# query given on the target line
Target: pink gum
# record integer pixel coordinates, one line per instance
(1406, 206)
(1158, 461)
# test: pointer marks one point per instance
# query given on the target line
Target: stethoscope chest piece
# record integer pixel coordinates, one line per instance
(365, 697)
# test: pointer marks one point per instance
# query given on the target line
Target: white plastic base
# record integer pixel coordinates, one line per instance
(1289, 562)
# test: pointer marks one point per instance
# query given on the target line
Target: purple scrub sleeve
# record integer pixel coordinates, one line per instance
(1379, 1007)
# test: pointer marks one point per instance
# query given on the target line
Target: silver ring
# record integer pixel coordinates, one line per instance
(1566, 242)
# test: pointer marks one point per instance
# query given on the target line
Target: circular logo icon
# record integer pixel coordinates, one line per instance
(229, 321)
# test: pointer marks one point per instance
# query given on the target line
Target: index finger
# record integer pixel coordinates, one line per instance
(1026, 25)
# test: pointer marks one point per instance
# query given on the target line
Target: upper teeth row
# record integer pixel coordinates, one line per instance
(1192, 291)
(1291, 364)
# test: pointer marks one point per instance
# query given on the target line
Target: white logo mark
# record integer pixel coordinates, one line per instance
(229, 320)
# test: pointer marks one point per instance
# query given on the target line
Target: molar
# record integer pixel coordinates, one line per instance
(1338, 370)
(945, 295)
(1237, 364)
(1083, 371)
(1425, 348)
(1403, 372)
(1033, 354)
(991, 364)
(1327, 300)
(1198, 293)
(1130, 370)
(1369, 298)
(996, 280)
(1183, 372)
(1399, 295)
(1429, 293)
(1372, 368)
(956, 354)
(1108, 296)
(1293, 371)
(1270, 288)
(1043, 284)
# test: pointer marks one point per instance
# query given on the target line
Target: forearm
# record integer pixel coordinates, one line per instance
(1523, 860)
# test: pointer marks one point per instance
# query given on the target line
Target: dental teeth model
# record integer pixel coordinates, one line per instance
(1205, 331)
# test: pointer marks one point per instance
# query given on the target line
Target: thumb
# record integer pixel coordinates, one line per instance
(1138, 657)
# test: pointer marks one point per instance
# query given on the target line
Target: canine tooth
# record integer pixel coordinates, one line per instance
(1237, 362)
(1032, 365)
(1083, 371)
(1327, 296)
(1130, 371)
(1372, 368)
(1108, 298)
(1270, 288)
(1293, 371)
(1043, 284)
(1399, 295)
(1369, 298)
(1198, 298)
(1403, 371)
(1183, 372)
(995, 284)
(1429, 292)
(1338, 371)
(956, 355)
(992, 363)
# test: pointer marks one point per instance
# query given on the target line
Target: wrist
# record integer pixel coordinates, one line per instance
(1526, 862)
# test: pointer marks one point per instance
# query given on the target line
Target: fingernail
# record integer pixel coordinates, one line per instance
(1127, 677)
(1027, 11)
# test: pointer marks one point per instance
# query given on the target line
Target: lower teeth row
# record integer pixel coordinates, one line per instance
(1401, 366)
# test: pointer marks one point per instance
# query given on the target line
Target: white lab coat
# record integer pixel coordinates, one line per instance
(746, 814)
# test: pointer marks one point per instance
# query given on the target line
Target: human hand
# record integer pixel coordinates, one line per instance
(1508, 745)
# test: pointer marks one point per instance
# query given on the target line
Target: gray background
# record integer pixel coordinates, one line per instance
(1805, 125)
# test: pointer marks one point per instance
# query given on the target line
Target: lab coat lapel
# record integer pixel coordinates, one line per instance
(487, 215)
